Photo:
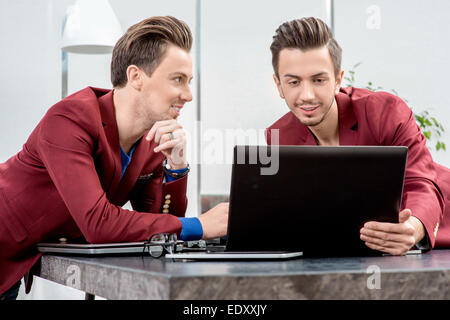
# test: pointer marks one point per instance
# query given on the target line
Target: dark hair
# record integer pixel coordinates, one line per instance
(145, 44)
(304, 34)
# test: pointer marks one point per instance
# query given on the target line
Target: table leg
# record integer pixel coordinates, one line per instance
(89, 296)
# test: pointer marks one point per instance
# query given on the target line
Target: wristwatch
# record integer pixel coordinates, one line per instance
(175, 173)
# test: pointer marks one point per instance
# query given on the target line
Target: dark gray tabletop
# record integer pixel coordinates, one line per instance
(425, 276)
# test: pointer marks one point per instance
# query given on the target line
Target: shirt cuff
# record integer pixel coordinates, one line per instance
(191, 229)
(170, 178)
(425, 243)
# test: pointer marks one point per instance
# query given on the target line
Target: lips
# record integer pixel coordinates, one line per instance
(177, 109)
(309, 109)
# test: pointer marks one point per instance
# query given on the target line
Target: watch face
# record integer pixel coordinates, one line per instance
(166, 164)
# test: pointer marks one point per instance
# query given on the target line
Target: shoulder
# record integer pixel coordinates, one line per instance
(80, 109)
(376, 102)
(81, 104)
(385, 115)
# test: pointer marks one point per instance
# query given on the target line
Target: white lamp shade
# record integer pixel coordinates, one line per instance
(91, 27)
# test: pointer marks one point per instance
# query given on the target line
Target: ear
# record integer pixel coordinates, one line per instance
(134, 76)
(339, 78)
(277, 82)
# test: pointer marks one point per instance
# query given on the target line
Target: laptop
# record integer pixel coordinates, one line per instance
(310, 201)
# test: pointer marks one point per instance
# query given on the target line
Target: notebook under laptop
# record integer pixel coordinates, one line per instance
(92, 249)
(309, 199)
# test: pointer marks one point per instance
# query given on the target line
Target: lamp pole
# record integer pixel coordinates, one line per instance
(64, 65)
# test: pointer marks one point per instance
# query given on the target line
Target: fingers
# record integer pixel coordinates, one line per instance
(404, 215)
(156, 125)
(395, 251)
(169, 144)
(400, 228)
(160, 128)
(165, 131)
(390, 242)
(381, 238)
(169, 141)
(392, 238)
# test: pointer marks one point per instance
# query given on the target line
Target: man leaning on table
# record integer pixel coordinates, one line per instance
(307, 66)
(96, 149)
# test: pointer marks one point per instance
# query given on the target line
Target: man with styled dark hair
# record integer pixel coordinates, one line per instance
(97, 149)
(307, 72)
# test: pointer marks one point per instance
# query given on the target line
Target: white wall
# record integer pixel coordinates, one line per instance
(403, 45)
(29, 67)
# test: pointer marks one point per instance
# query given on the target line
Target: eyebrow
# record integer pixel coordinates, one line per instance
(322, 73)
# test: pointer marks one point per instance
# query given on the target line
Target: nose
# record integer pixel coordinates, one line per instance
(186, 95)
(306, 92)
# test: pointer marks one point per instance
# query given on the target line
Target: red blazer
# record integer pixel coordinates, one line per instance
(65, 182)
(379, 118)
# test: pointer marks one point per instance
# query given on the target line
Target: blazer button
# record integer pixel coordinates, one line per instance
(165, 211)
(167, 202)
(166, 206)
(63, 240)
(167, 197)
(436, 229)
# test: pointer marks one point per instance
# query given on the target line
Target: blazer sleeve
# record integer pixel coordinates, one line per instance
(65, 147)
(393, 123)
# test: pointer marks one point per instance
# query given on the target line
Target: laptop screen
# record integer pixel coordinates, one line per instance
(313, 199)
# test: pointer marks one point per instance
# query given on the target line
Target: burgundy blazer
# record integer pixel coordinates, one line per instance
(65, 182)
(380, 118)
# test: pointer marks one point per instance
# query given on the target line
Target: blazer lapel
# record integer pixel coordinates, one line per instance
(348, 124)
(307, 136)
(112, 135)
(293, 132)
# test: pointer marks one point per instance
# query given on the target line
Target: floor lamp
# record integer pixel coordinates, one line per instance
(89, 27)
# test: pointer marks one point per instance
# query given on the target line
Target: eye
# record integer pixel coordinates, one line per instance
(293, 82)
(319, 80)
(177, 79)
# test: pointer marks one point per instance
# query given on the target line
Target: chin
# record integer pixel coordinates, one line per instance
(309, 122)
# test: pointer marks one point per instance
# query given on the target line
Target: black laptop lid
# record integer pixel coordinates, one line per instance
(313, 199)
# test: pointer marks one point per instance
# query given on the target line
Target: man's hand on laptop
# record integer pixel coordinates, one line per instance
(393, 238)
(215, 221)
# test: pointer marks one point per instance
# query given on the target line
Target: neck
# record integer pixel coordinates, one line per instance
(327, 131)
(129, 123)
